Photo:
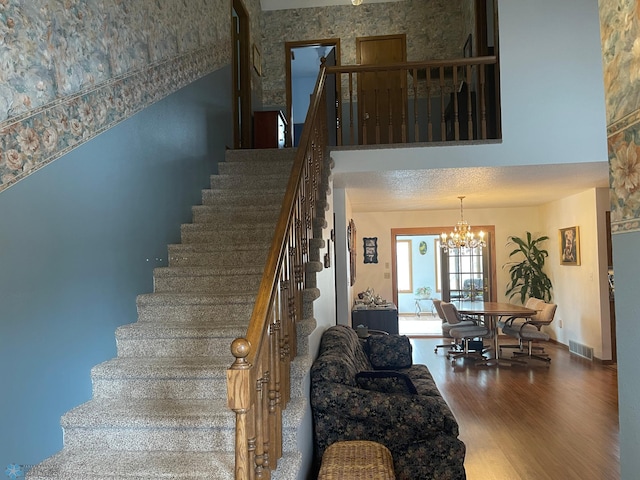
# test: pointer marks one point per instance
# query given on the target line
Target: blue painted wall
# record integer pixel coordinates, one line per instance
(79, 240)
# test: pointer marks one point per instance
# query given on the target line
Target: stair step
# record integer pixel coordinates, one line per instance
(150, 424)
(235, 307)
(236, 215)
(162, 378)
(274, 181)
(144, 339)
(203, 279)
(216, 255)
(224, 197)
(261, 155)
(197, 425)
(210, 233)
(123, 465)
(256, 167)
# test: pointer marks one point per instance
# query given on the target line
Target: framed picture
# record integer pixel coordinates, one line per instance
(351, 247)
(370, 249)
(569, 241)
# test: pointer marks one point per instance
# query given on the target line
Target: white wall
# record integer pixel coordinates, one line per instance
(507, 221)
(580, 291)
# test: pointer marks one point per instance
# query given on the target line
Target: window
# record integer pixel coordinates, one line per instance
(403, 265)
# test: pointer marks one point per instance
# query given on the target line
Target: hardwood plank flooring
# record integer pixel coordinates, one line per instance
(531, 422)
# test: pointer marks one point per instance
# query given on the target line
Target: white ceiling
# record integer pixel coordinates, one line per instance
(484, 187)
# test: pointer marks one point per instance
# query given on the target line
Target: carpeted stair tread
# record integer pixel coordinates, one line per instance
(239, 216)
(162, 368)
(220, 197)
(196, 298)
(150, 413)
(79, 464)
(273, 181)
(255, 167)
(215, 329)
(238, 271)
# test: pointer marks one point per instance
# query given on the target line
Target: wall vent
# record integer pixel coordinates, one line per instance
(581, 350)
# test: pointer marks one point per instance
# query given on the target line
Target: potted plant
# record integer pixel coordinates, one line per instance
(424, 292)
(527, 276)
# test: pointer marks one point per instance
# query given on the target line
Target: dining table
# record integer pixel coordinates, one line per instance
(492, 312)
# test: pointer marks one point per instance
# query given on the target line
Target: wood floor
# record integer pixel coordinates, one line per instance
(532, 423)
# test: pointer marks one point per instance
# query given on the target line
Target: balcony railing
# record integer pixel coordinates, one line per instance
(436, 101)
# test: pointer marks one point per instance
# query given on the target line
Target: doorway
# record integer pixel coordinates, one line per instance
(241, 76)
(421, 270)
(303, 60)
(382, 96)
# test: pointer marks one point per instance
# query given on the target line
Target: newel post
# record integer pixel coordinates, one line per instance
(240, 394)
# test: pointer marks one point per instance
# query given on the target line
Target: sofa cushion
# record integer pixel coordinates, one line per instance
(386, 381)
(389, 352)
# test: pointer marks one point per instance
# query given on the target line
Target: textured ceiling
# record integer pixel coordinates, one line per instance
(486, 187)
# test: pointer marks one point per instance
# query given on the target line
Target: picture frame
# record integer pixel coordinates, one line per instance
(257, 60)
(370, 246)
(351, 247)
(569, 243)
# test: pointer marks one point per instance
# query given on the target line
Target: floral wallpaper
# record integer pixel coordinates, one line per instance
(433, 28)
(620, 32)
(70, 69)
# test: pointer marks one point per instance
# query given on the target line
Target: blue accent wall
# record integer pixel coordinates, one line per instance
(79, 240)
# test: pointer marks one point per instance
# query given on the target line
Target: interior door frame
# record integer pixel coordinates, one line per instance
(288, 47)
(414, 231)
(241, 76)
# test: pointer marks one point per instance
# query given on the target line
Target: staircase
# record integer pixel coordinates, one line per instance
(159, 409)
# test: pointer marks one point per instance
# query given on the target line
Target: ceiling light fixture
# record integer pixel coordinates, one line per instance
(356, 2)
(462, 236)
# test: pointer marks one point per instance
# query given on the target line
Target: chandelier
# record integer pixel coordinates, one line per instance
(462, 236)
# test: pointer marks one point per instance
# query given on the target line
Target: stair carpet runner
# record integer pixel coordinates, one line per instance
(159, 409)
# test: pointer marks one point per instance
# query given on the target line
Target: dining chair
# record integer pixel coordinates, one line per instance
(463, 333)
(446, 327)
(532, 303)
(530, 331)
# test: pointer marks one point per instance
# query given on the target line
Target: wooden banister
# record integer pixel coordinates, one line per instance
(258, 381)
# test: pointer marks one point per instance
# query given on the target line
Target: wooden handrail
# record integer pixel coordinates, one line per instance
(258, 381)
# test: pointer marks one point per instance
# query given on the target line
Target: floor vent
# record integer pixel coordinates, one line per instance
(581, 350)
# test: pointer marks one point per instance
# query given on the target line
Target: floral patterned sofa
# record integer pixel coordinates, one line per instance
(371, 390)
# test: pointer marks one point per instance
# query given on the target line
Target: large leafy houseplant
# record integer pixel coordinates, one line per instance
(527, 277)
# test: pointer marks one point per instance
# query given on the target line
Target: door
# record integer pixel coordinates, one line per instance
(382, 96)
(450, 275)
(466, 274)
(241, 76)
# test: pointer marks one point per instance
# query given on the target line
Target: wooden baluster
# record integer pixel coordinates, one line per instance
(469, 103)
(416, 126)
(429, 113)
(390, 125)
(364, 119)
(265, 416)
(443, 120)
(352, 133)
(404, 116)
(456, 121)
(258, 447)
(483, 105)
(377, 114)
(275, 415)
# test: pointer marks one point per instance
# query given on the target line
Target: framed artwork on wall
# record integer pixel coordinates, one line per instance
(370, 249)
(351, 247)
(569, 241)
